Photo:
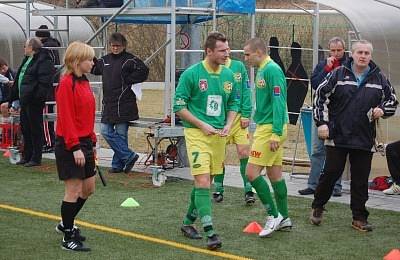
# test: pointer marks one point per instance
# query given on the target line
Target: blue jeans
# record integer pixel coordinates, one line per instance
(318, 161)
(116, 136)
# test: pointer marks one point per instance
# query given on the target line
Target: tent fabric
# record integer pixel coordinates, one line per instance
(229, 6)
(376, 22)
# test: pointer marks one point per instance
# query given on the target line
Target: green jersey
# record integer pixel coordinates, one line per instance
(241, 77)
(271, 93)
(207, 94)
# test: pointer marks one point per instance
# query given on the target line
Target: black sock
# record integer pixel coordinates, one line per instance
(68, 210)
(79, 204)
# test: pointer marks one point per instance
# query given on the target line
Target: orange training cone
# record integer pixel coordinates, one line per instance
(7, 153)
(393, 255)
(252, 228)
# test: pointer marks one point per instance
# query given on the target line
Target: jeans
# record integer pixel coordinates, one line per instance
(116, 136)
(360, 167)
(317, 162)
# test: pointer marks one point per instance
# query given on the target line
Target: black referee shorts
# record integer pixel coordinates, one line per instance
(66, 167)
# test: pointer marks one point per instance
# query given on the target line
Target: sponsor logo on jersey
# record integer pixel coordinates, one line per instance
(238, 77)
(228, 86)
(277, 91)
(261, 83)
(203, 85)
(180, 102)
(255, 154)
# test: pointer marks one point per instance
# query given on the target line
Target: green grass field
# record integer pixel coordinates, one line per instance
(27, 236)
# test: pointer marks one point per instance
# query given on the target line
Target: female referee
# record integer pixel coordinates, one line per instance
(75, 140)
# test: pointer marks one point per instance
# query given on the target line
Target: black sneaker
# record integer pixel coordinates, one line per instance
(337, 193)
(307, 191)
(190, 232)
(218, 197)
(74, 245)
(213, 242)
(76, 232)
(129, 165)
(249, 198)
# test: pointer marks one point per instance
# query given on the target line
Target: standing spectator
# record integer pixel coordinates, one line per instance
(336, 58)
(76, 140)
(393, 162)
(48, 126)
(120, 69)
(206, 101)
(345, 107)
(271, 117)
(7, 77)
(239, 134)
(32, 83)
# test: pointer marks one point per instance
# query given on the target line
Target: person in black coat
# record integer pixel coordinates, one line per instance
(120, 69)
(49, 42)
(7, 77)
(32, 83)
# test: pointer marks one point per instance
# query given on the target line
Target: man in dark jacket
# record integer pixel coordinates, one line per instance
(32, 83)
(336, 58)
(346, 105)
(49, 42)
(120, 69)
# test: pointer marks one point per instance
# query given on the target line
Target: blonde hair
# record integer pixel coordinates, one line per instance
(76, 53)
(355, 45)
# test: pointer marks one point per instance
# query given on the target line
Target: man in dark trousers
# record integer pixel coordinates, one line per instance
(120, 69)
(346, 105)
(48, 126)
(32, 83)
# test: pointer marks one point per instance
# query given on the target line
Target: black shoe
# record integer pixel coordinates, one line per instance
(362, 225)
(218, 197)
(22, 162)
(190, 232)
(31, 164)
(115, 170)
(74, 245)
(337, 193)
(307, 191)
(76, 232)
(249, 198)
(214, 242)
(129, 165)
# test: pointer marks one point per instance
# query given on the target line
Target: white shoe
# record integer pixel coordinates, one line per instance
(393, 190)
(285, 224)
(270, 225)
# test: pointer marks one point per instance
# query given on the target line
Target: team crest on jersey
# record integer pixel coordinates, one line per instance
(238, 77)
(277, 91)
(228, 86)
(261, 83)
(203, 85)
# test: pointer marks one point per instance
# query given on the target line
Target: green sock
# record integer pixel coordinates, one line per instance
(261, 186)
(246, 183)
(219, 182)
(191, 214)
(203, 205)
(280, 192)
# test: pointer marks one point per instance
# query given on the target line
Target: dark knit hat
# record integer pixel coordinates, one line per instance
(43, 34)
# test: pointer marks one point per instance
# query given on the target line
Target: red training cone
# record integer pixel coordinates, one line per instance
(252, 228)
(7, 153)
(393, 255)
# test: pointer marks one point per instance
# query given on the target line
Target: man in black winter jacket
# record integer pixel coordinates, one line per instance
(31, 85)
(120, 69)
(346, 105)
(49, 42)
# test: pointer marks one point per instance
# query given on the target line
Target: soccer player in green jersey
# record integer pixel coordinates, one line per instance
(239, 134)
(206, 100)
(271, 117)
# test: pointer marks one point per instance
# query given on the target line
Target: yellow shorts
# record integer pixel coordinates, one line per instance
(238, 135)
(206, 153)
(260, 153)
